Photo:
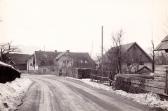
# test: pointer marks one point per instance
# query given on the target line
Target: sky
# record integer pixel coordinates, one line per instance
(75, 25)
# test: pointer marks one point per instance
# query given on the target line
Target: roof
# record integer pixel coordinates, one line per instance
(124, 48)
(45, 58)
(78, 56)
(144, 69)
(19, 58)
(163, 45)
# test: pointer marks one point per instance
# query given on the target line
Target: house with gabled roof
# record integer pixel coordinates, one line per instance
(75, 64)
(42, 62)
(133, 58)
(19, 61)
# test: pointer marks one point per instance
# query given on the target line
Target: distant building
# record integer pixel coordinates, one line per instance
(42, 62)
(133, 58)
(19, 61)
(75, 64)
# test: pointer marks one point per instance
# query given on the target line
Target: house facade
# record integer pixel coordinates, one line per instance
(73, 64)
(42, 62)
(132, 58)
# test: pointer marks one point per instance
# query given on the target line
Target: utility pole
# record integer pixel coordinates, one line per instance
(102, 51)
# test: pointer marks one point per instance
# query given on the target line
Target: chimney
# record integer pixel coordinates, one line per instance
(67, 51)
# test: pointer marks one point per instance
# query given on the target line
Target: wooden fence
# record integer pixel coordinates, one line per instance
(158, 84)
(105, 77)
(142, 83)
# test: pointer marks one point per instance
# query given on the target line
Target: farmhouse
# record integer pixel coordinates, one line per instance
(132, 58)
(75, 64)
(42, 62)
(19, 61)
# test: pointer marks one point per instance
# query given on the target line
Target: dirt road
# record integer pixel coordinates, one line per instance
(52, 93)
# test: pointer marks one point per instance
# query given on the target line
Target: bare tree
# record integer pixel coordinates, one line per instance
(5, 50)
(114, 54)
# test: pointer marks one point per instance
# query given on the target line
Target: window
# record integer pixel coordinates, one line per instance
(81, 61)
(86, 61)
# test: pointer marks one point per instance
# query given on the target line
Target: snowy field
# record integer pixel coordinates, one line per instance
(11, 93)
(150, 99)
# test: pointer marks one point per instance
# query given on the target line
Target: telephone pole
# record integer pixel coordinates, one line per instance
(102, 51)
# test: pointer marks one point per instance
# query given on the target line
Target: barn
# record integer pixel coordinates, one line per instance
(133, 58)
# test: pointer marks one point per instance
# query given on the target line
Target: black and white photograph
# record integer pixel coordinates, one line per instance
(83, 55)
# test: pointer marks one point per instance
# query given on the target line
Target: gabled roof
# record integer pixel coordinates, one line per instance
(19, 58)
(144, 69)
(124, 48)
(163, 45)
(78, 56)
(45, 58)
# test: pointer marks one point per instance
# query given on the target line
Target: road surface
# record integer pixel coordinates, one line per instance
(52, 93)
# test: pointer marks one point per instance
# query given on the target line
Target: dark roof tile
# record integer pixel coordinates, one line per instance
(19, 58)
(45, 58)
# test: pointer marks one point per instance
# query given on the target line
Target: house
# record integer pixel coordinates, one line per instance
(42, 62)
(162, 52)
(19, 61)
(75, 64)
(132, 58)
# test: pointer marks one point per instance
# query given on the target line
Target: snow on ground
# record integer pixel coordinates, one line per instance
(149, 99)
(11, 93)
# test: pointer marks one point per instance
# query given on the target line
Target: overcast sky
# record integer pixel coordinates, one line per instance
(75, 25)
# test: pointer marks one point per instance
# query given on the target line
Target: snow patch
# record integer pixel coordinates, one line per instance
(149, 99)
(11, 93)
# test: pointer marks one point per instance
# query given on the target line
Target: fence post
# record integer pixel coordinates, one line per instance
(166, 84)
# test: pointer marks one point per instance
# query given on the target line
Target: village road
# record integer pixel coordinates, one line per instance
(52, 93)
